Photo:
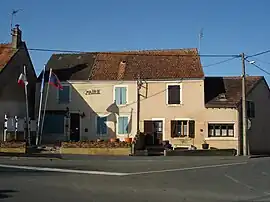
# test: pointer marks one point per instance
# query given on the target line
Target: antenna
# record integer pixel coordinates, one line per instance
(14, 12)
(200, 38)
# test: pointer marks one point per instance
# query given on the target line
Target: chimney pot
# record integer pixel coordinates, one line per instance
(16, 37)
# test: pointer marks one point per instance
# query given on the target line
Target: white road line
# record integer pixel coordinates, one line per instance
(63, 170)
(190, 168)
(238, 182)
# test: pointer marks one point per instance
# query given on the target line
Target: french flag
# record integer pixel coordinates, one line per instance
(54, 81)
(22, 80)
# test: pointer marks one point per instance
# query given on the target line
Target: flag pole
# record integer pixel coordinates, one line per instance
(45, 106)
(40, 106)
(27, 111)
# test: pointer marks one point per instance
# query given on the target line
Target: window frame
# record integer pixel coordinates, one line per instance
(117, 130)
(249, 109)
(120, 86)
(58, 97)
(221, 137)
(188, 128)
(96, 125)
(64, 122)
(167, 93)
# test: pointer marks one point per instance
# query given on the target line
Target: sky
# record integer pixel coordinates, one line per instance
(229, 27)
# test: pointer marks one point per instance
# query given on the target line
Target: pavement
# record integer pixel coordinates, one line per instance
(135, 179)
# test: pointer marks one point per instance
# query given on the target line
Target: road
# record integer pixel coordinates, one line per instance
(136, 179)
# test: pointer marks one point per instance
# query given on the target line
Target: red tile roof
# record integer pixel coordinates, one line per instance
(6, 52)
(230, 88)
(149, 64)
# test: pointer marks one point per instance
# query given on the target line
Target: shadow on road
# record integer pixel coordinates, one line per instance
(6, 193)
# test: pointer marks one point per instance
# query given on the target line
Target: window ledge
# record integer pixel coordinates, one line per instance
(181, 138)
(221, 138)
(174, 105)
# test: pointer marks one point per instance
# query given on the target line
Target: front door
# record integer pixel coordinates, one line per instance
(74, 127)
(153, 130)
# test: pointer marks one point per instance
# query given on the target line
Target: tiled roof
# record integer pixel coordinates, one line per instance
(226, 91)
(6, 52)
(151, 64)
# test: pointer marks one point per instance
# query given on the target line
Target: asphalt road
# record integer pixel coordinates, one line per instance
(141, 179)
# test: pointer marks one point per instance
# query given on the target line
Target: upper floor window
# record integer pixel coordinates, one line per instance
(64, 96)
(250, 109)
(120, 95)
(174, 94)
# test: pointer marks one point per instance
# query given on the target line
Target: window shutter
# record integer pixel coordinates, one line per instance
(123, 95)
(126, 125)
(98, 125)
(103, 125)
(117, 95)
(173, 129)
(120, 125)
(191, 129)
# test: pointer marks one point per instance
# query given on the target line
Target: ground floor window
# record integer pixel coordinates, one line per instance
(101, 125)
(123, 125)
(220, 130)
(54, 123)
(182, 128)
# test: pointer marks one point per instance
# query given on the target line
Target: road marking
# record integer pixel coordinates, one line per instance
(238, 182)
(190, 168)
(63, 170)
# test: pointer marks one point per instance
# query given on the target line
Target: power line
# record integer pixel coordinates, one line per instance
(258, 67)
(265, 62)
(140, 53)
(257, 54)
(220, 62)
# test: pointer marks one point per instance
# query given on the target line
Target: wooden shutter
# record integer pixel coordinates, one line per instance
(173, 129)
(148, 127)
(191, 129)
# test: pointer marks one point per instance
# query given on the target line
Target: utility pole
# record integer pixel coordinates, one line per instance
(139, 85)
(244, 111)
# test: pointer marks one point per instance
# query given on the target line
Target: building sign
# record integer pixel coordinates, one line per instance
(92, 92)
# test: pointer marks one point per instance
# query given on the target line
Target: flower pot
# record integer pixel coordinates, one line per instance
(128, 140)
(112, 140)
(205, 146)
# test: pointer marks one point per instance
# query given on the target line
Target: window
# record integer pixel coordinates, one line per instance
(64, 95)
(182, 128)
(120, 95)
(220, 130)
(122, 125)
(250, 109)
(101, 125)
(173, 96)
(54, 123)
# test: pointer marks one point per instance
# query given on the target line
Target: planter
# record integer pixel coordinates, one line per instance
(205, 146)
(97, 151)
(112, 140)
(128, 140)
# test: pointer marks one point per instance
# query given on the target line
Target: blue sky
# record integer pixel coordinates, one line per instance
(230, 27)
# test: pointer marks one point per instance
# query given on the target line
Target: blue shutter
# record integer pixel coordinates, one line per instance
(54, 123)
(101, 125)
(117, 95)
(122, 125)
(123, 95)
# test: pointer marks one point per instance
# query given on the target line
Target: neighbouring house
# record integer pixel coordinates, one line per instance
(13, 56)
(177, 102)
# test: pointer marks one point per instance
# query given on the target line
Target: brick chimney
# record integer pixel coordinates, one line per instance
(16, 37)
